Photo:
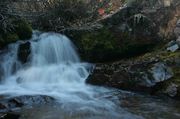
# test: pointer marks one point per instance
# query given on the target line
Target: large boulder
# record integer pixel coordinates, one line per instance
(129, 31)
(123, 34)
(153, 73)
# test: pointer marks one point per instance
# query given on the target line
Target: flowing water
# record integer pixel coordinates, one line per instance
(54, 69)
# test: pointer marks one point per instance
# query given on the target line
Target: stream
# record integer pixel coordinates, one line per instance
(54, 69)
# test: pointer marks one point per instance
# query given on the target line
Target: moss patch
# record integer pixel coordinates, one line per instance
(98, 45)
(21, 31)
(102, 40)
(10, 37)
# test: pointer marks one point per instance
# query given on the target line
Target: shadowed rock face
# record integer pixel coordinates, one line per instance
(9, 116)
(24, 52)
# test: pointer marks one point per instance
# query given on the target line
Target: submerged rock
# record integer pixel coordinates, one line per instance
(10, 104)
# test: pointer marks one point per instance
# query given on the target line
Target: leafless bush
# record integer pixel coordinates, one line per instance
(56, 15)
(5, 23)
(62, 15)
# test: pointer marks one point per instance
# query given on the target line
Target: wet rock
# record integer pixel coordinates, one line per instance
(9, 116)
(148, 73)
(161, 72)
(97, 79)
(31, 100)
(1, 73)
(24, 51)
(172, 90)
(7, 105)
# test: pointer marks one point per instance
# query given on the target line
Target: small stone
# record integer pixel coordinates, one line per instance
(173, 48)
(161, 72)
(167, 3)
(172, 90)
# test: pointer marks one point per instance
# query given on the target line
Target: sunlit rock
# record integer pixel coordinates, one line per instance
(161, 72)
(173, 48)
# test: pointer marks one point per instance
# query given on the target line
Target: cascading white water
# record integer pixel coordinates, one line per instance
(53, 49)
(53, 69)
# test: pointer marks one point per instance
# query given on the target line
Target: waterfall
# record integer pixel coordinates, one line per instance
(53, 49)
(53, 68)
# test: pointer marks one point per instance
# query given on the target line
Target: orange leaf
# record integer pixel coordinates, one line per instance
(101, 11)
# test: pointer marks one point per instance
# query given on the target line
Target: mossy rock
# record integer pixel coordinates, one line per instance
(23, 29)
(102, 39)
(11, 37)
(105, 45)
(98, 45)
(8, 38)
